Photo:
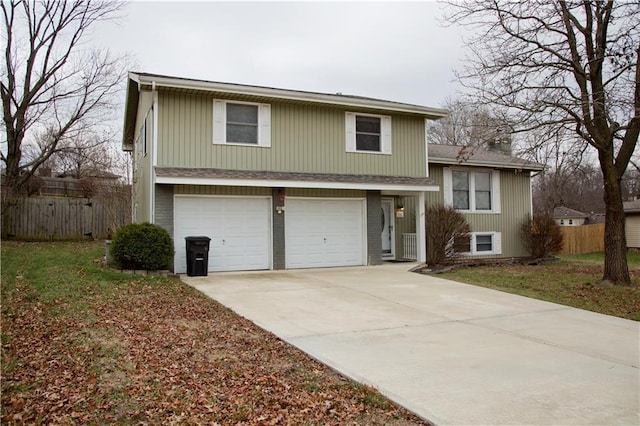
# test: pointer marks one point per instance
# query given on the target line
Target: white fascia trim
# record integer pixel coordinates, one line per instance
(494, 165)
(178, 83)
(292, 184)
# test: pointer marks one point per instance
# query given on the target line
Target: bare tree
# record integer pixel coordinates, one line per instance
(631, 185)
(471, 126)
(53, 88)
(85, 157)
(579, 188)
(571, 65)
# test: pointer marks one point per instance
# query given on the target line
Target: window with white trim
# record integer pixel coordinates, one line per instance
(241, 123)
(480, 243)
(472, 190)
(368, 133)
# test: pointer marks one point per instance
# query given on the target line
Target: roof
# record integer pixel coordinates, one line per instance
(269, 178)
(139, 80)
(631, 206)
(567, 213)
(477, 156)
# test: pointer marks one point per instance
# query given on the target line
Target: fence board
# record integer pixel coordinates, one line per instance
(583, 239)
(56, 219)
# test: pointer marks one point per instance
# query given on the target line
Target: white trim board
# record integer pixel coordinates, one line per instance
(294, 184)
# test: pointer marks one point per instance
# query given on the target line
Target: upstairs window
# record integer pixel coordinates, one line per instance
(472, 190)
(241, 123)
(368, 133)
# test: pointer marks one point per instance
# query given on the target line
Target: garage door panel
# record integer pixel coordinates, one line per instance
(321, 233)
(239, 230)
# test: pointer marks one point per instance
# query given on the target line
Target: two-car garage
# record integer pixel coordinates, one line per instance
(318, 232)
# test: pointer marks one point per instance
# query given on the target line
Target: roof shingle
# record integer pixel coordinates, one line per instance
(183, 172)
(477, 156)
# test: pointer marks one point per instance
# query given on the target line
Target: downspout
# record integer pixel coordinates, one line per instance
(154, 161)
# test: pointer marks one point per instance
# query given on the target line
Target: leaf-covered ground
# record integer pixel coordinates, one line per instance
(83, 345)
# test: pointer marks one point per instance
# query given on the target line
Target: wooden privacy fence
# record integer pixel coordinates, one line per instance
(582, 239)
(56, 219)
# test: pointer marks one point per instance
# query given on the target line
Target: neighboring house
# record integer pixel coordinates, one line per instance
(493, 191)
(283, 179)
(632, 223)
(565, 216)
(276, 178)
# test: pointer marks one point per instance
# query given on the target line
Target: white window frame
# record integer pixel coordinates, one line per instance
(496, 244)
(220, 123)
(447, 186)
(350, 133)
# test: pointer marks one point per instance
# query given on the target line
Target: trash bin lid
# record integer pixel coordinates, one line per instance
(201, 238)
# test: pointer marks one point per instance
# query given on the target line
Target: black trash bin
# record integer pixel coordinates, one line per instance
(197, 256)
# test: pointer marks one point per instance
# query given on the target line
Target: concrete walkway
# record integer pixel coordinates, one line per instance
(454, 354)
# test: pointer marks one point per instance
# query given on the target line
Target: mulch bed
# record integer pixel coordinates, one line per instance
(472, 263)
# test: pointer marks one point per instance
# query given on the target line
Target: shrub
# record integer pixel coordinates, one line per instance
(446, 228)
(541, 236)
(142, 246)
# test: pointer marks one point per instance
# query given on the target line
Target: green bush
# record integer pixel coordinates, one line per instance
(142, 246)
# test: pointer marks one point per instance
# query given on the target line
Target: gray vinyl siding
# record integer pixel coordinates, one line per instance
(278, 231)
(374, 228)
(142, 163)
(632, 226)
(221, 190)
(304, 138)
(164, 208)
(515, 200)
(329, 193)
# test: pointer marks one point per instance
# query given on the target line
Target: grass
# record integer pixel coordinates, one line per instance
(573, 281)
(83, 344)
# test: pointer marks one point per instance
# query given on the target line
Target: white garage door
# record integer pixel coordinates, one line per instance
(239, 229)
(324, 232)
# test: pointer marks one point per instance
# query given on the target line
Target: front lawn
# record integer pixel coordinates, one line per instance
(572, 281)
(82, 344)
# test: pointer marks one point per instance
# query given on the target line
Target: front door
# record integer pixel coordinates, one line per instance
(388, 229)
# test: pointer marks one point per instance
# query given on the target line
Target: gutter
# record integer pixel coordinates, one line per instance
(158, 81)
(482, 163)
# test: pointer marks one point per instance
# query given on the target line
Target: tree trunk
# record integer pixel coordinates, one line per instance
(616, 269)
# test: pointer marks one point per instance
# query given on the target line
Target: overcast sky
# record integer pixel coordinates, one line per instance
(394, 51)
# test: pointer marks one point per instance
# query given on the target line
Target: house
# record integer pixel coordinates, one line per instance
(632, 223)
(565, 216)
(276, 178)
(283, 179)
(491, 188)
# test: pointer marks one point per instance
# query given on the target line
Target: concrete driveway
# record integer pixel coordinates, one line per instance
(454, 354)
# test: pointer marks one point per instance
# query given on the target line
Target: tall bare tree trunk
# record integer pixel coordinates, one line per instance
(615, 244)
